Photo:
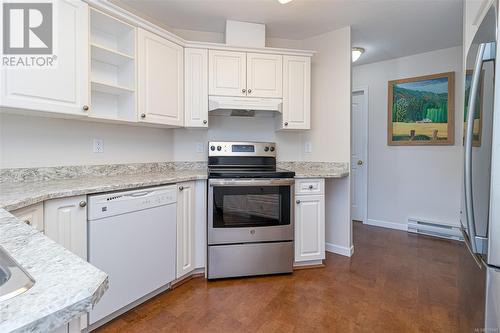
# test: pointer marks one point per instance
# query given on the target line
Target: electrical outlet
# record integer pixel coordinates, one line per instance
(200, 147)
(98, 146)
(308, 147)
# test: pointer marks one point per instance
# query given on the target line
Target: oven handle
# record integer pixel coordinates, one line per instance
(252, 182)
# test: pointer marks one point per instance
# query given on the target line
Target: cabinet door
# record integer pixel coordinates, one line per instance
(185, 228)
(196, 87)
(65, 87)
(227, 73)
(309, 227)
(296, 92)
(160, 73)
(264, 75)
(32, 215)
(66, 223)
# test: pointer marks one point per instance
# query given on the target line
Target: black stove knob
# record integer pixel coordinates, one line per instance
(212, 148)
(219, 148)
(272, 148)
(266, 148)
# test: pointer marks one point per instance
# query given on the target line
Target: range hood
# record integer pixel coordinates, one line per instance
(243, 106)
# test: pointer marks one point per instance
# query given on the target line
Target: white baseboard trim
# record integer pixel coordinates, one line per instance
(385, 224)
(337, 249)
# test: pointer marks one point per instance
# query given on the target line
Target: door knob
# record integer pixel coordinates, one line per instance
(286, 124)
(181, 188)
(298, 201)
(249, 91)
(360, 162)
(143, 115)
(243, 90)
(82, 204)
(85, 108)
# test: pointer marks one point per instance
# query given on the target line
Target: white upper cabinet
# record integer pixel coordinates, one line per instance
(296, 93)
(227, 73)
(65, 87)
(264, 75)
(195, 87)
(161, 86)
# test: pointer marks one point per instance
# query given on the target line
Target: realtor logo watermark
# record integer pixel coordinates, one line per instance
(28, 35)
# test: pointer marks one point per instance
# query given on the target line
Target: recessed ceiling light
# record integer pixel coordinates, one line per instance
(284, 1)
(357, 52)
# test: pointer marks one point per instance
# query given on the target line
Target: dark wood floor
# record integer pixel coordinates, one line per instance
(395, 282)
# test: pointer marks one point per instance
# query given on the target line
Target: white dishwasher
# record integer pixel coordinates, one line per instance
(132, 237)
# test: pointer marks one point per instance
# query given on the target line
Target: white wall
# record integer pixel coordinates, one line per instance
(27, 141)
(404, 181)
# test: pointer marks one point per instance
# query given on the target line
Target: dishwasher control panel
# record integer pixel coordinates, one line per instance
(106, 205)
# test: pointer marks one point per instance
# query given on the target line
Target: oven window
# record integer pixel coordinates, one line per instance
(251, 206)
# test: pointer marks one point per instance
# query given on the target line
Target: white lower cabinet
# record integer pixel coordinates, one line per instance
(66, 224)
(31, 215)
(309, 227)
(185, 228)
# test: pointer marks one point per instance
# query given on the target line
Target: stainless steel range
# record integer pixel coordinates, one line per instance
(250, 211)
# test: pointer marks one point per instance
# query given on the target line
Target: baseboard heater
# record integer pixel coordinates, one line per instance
(434, 229)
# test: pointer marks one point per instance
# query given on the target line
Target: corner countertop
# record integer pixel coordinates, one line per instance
(317, 169)
(65, 288)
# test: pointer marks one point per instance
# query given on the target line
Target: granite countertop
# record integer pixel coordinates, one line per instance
(317, 169)
(65, 288)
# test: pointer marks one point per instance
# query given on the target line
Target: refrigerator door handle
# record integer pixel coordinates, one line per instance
(469, 205)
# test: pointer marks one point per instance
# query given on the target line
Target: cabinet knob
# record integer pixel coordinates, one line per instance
(249, 91)
(82, 203)
(28, 222)
(286, 124)
(311, 187)
(297, 202)
(181, 188)
(205, 122)
(143, 115)
(243, 90)
(85, 108)
(360, 162)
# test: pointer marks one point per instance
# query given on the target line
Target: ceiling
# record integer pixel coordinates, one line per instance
(385, 28)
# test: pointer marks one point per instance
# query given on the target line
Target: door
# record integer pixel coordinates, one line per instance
(31, 215)
(66, 223)
(358, 155)
(309, 227)
(185, 228)
(296, 92)
(264, 75)
(196, 87)
(65, 87)
(161, 80)
(227, 73)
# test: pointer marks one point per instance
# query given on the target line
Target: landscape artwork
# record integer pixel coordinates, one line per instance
(421, 110)
(476, 132)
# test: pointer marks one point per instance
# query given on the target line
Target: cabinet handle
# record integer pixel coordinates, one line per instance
(85, 108)
(205, 122)
(249, 91)
(143, 115)
(243, 90)
(28, 222)
(82, 203)
(311, 187)
(181, 188)
(286, 124)
(297, 202)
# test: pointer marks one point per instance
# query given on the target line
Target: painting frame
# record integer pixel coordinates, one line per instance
(450, 138)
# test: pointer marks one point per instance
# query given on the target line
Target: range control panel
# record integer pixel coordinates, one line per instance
(226, 148)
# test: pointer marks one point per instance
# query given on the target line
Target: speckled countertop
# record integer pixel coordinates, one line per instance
(65, 286)
(317, 169)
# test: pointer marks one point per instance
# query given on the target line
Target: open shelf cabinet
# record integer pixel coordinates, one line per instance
(113, 68)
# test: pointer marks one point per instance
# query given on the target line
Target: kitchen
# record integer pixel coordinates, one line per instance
(170, 160)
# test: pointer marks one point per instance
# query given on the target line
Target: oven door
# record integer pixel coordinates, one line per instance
(250, 210)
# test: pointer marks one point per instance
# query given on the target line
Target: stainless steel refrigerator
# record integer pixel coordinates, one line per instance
(479, 267)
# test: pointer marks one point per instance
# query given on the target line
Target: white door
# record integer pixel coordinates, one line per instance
(227, 73)
(296, 92)
(359, 134)
(264, 75)
(64, 88)
(309, 227)
(161, 80)
(185, 228)
(196, 87)
(66, 223)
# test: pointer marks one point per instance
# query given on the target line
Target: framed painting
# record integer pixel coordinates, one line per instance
(478, 113)
(421, 110)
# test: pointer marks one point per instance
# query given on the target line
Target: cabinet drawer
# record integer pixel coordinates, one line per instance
(309, 186)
